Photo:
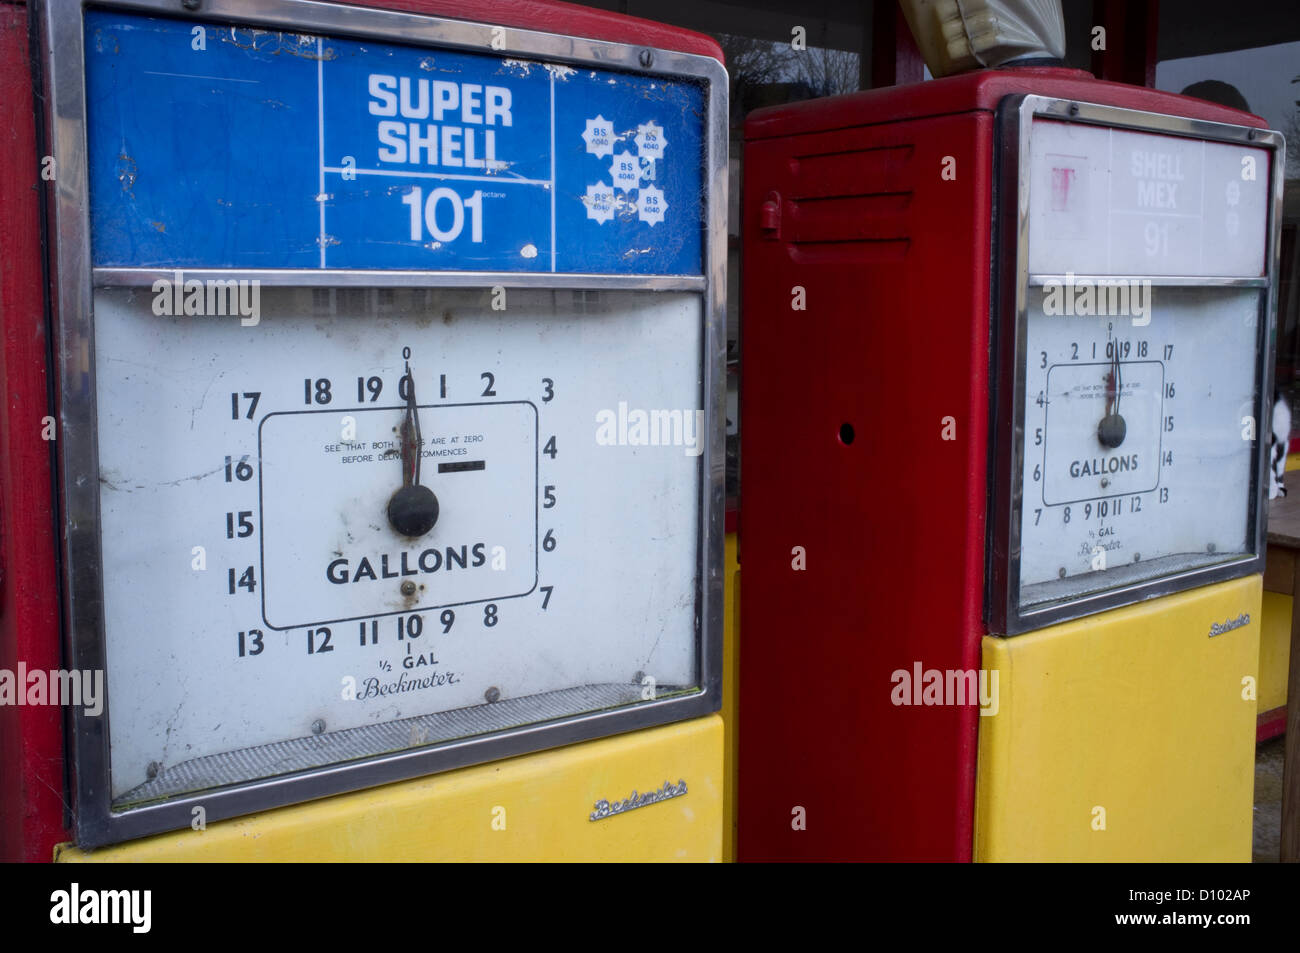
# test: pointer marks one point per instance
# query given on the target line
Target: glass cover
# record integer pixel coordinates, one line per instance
(378, 519)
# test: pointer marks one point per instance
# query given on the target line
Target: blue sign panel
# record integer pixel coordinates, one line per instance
(227, 147)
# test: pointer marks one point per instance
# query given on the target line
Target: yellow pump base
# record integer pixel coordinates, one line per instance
(1126, 736)
(535, 807)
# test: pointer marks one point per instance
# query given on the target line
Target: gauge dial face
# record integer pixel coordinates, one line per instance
(1138, 440)
(479, 464)
(380, 519)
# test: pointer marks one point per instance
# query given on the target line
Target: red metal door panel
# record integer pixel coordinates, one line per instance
(894, 340)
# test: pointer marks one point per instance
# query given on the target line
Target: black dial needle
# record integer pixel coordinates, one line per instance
(413, 509)
(1112, 429)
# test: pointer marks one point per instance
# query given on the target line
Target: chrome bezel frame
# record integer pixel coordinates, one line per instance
(1011, 281)
(72, 283)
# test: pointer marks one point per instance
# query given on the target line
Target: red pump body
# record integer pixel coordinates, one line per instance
(874, 212)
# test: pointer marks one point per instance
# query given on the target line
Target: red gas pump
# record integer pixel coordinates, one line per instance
(882, 287)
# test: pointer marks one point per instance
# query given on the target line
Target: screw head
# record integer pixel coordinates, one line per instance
(492, 695)
(191, 4)
(647, 58)
(318, 726)
(408, 588)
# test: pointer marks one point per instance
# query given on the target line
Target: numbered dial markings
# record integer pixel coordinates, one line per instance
(383, 505)
(479, 459)
(1138, 436)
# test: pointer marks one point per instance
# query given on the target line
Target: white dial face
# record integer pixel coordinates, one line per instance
(1139, 439)
(482, 460)
(262, 586)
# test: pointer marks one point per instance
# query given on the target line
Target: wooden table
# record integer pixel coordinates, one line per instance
(1282, 574)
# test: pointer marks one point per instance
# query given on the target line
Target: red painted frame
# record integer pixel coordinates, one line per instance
(31, 739)
(32, 789)
(1270, 724)
(895, 59)
(1132, 29)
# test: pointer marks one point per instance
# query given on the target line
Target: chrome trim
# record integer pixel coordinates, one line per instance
(351, 278)
(1156, 281)
(1011, 277)
(412, 29)
(61, 43)
(1141, 121)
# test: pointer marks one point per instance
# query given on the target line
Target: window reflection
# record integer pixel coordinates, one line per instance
(1264, 80)
(765, 72)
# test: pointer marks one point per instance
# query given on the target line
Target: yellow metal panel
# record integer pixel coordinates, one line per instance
(731, 693)
(1137, 712)
(1274, 650)
(1292, 462)
(547, 800)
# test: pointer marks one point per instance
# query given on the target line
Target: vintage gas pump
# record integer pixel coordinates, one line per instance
(388, 387)
(1007, 378)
